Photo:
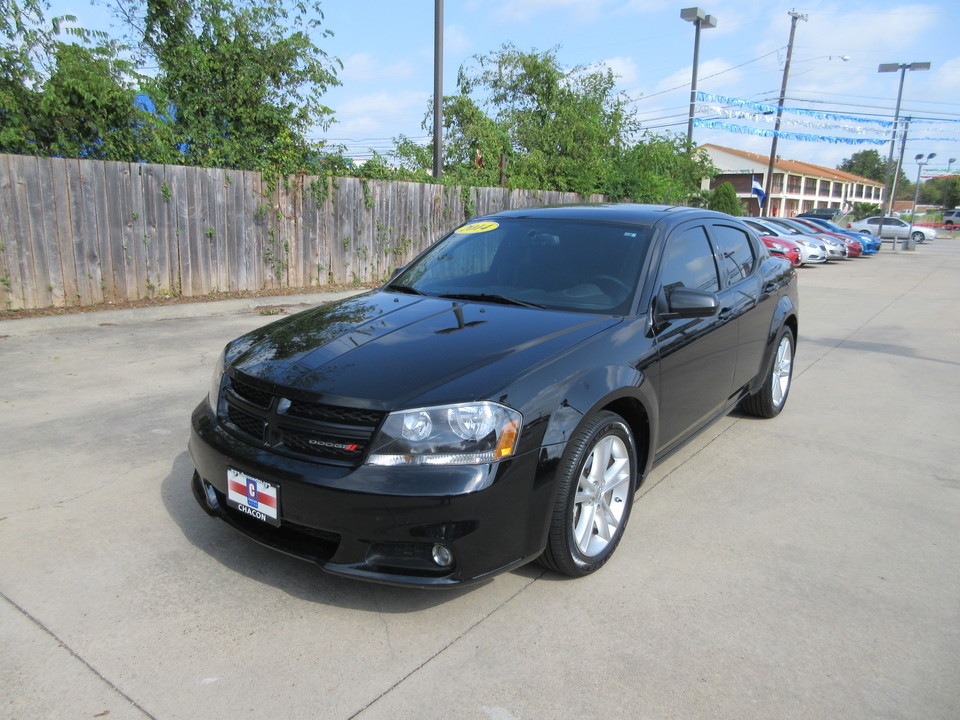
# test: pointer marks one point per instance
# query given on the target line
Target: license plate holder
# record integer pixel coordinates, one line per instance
(253, 497)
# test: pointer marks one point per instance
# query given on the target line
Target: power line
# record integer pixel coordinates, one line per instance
(708, 77)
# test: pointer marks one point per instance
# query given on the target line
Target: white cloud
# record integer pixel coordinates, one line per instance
(624, 68)
(524, 10)
(946, 79)
(382, 104)
(365, 67)
(456, 41)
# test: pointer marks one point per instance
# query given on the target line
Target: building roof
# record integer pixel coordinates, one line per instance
(796, 166)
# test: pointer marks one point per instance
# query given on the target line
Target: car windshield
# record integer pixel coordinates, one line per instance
(789, 228)
(831, 226)
(760, 227)
(572, 265)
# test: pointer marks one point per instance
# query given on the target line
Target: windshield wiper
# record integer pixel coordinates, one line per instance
(494, 298)
(405, 289)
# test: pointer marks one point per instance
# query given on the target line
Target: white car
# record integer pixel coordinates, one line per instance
(893, 228)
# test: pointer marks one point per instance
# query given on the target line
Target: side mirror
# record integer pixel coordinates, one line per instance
(684, 302)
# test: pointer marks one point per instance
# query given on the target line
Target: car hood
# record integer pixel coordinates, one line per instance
(383, 350)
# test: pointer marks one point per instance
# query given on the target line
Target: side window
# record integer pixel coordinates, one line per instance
(689, 262)
(737, 257)
(873, 221)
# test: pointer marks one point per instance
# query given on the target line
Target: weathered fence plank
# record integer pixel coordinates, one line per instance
(65, 292)
(11, 236)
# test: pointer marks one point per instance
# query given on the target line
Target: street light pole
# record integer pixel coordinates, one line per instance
(437, 88)
(892, 174)
(921, 161)
(794, 17)
(700, 20)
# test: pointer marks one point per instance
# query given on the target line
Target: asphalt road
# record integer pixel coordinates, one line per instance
(804, 567)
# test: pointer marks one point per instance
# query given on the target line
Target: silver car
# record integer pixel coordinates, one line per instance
(893, 228)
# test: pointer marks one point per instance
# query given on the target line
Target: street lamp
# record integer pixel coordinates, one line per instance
(700, 20)
(437, 88)
(921, 161)
(892, 176)
(950, 162)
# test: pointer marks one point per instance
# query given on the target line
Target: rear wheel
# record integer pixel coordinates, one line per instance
(598, 476)
(768, 401)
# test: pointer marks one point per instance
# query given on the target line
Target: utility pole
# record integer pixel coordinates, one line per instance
(438, 88)
(794, 17)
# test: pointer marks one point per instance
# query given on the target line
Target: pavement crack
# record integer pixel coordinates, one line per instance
(63, 644)
(442, 650)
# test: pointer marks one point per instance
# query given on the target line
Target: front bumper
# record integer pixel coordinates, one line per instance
(382, 523)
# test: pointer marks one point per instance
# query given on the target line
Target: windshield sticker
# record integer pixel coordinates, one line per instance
(477, 227)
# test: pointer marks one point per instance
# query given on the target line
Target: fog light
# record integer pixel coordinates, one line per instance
(442, 555)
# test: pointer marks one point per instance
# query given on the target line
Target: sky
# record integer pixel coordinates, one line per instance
(387, 47)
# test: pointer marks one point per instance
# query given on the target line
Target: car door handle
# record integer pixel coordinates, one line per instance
(725, 313)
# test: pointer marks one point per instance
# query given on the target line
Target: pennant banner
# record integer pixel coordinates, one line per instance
(765, 109)
(717, 111)
(763, 132)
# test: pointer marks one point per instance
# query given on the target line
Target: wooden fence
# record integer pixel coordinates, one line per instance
(84, 232)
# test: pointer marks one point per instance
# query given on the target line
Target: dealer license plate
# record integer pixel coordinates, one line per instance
(256, 498)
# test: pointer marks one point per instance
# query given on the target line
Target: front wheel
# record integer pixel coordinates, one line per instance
(918, 237)
(598, 476)
(768, 401)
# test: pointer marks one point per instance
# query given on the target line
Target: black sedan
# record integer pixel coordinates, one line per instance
(501, 399)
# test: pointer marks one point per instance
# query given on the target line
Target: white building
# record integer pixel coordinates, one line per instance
(797, 186)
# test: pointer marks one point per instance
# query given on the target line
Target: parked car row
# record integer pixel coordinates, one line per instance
(810, 240)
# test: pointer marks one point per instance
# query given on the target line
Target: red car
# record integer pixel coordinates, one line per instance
(784, 248)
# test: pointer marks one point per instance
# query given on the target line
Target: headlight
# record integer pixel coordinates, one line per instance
(213, 397)
(465, 434)
(778, 247)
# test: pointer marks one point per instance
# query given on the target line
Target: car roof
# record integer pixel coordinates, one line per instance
(615, 212)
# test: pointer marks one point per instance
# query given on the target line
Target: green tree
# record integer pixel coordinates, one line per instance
(235, 84)
(659, 169)
(865, 210)
(724, 199)
(943, 191)
(868, 164)
(240, 83)
(70, 99)
(556, 129)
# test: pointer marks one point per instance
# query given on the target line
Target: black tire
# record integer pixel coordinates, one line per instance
(585, 511)
(768, 401)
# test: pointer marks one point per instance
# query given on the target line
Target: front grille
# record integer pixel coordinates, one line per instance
(314, 431)
(258, 397)
(246, 422)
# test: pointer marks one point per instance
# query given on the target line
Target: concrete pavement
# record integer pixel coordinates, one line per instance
(804, 567)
